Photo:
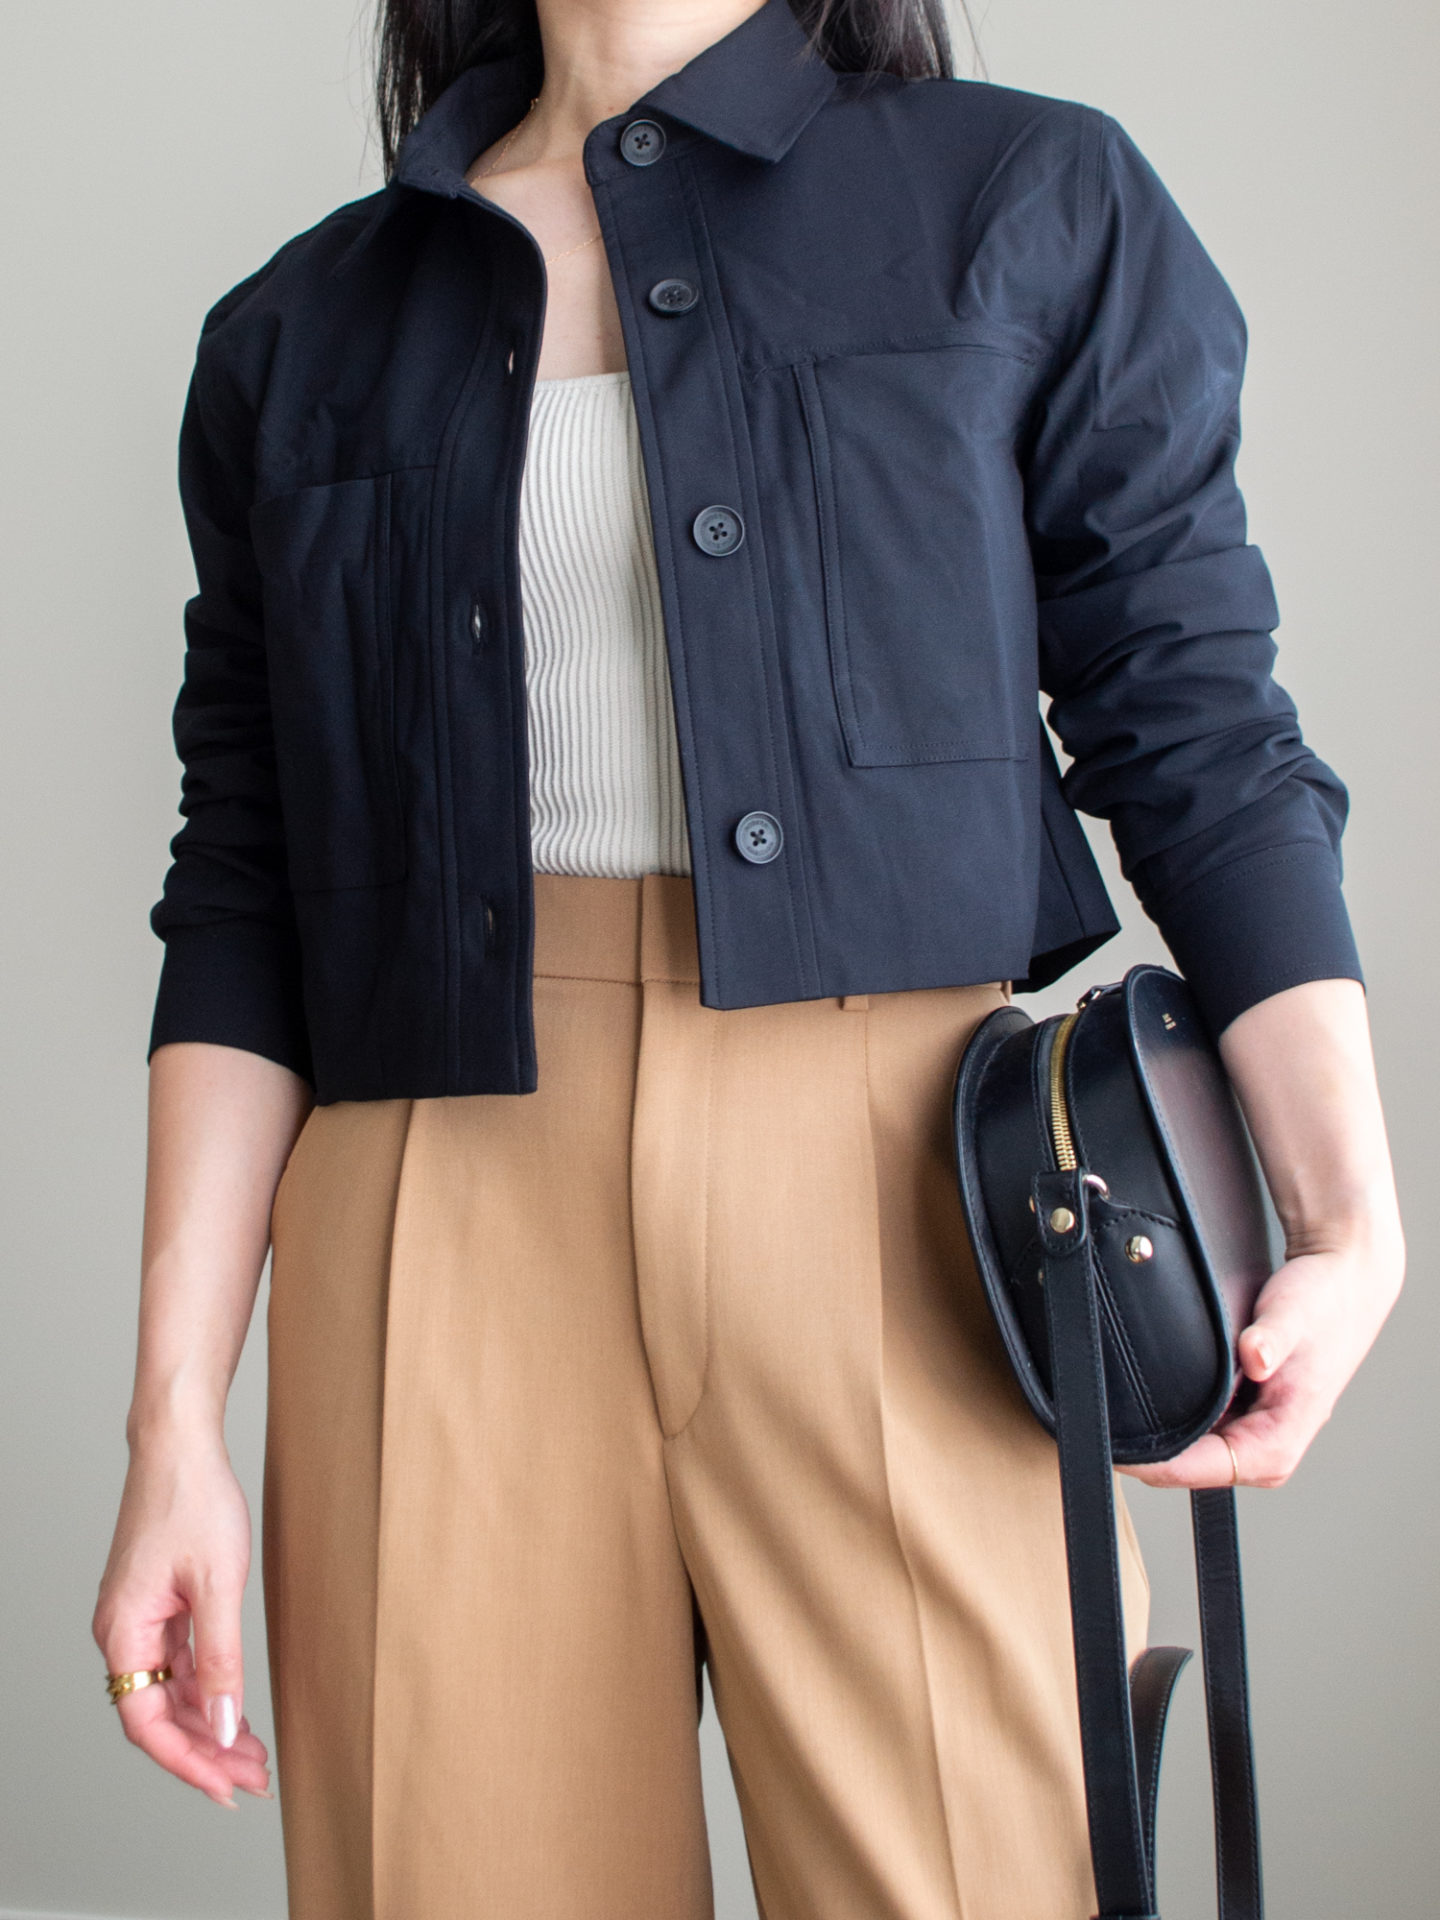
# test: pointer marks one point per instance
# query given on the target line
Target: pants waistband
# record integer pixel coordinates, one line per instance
(589, 927)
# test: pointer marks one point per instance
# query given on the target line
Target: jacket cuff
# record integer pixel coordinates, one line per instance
(1258, 926)
(235, 983)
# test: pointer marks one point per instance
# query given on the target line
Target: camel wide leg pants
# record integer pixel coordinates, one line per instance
(689, 1340)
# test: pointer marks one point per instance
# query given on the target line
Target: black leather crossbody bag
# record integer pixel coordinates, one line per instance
(1117, 1219)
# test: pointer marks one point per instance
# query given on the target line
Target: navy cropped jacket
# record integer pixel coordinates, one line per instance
(937, 396)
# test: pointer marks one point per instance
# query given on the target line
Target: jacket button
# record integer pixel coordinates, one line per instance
(759, 838)
(642, 142)
(673, 296)
(717, 529)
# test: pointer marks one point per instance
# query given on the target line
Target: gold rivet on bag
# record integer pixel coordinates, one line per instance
(1061, 1220)
(1138, 1248)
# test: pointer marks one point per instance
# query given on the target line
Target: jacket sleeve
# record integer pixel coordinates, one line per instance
(1155, 615)
(231, 970)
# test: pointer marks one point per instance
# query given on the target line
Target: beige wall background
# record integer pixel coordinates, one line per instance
(154, 155)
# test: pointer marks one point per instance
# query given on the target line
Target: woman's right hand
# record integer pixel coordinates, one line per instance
(179, 1561)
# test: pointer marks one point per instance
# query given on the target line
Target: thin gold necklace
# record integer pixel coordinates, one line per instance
(550, 258)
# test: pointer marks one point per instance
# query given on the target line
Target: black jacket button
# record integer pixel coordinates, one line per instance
(673, 296)
(759, 838)
(643, 142)
(717, 529)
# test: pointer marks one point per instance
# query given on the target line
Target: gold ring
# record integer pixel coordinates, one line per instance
(1234, 1462)
(118, 1683)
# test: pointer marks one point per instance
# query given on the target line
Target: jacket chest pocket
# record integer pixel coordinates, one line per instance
(929, 587)
(325, 561)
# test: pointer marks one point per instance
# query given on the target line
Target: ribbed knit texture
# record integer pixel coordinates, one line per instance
(605, 787)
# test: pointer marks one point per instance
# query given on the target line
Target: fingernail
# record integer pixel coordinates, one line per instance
(1264, 1354)
(224, 1723)
(232, 1802)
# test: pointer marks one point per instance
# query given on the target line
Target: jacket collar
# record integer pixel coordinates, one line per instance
(754, 89)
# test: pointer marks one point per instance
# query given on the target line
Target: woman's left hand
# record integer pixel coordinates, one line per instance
(1315, 1321)
(1302, 1067)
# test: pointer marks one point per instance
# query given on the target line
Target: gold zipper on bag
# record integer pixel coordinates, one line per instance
(1061, 1136)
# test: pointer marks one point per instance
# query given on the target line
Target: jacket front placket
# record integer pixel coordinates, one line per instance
(753, 927)
(660, 200)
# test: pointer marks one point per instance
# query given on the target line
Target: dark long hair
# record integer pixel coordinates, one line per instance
(422, 45)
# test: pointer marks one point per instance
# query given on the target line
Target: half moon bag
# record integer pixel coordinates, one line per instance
(1117, 1219)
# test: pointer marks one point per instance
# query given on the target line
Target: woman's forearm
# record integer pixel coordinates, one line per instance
(1302, 1065)
(221, 1125)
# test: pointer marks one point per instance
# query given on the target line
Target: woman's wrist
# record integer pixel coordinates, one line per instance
(1365, 1227)
(176, 1416)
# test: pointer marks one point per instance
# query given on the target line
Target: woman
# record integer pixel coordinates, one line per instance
(819, 409)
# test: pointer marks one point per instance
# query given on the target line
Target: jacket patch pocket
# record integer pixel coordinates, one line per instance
(929, 586)
(324, 554)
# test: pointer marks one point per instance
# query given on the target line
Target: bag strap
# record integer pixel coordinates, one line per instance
(1227, 1703)
(1121, 1711)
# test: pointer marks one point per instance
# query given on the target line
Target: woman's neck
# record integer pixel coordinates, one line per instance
(603, 55)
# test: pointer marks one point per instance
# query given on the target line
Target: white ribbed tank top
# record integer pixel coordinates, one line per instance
(605, 789)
